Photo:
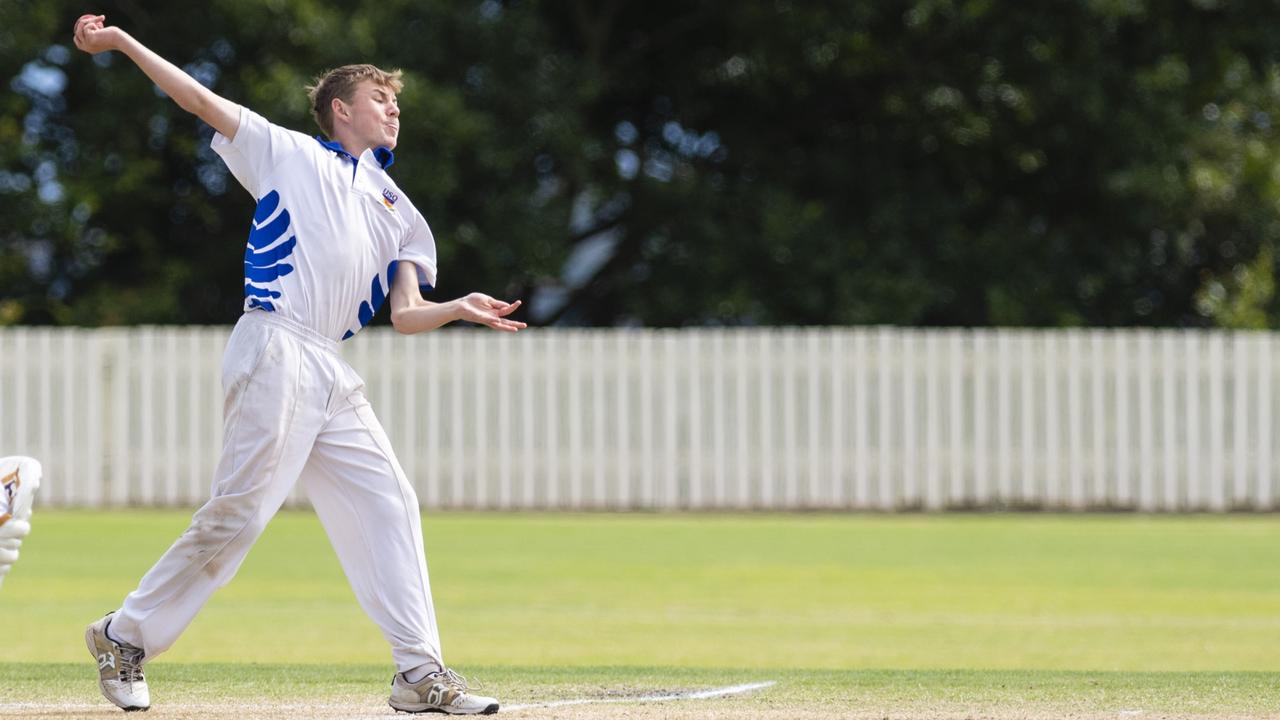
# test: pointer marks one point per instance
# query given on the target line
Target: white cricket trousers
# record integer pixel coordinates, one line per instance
(294, 410)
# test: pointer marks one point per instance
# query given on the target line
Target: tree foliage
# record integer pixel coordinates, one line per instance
(930, 162)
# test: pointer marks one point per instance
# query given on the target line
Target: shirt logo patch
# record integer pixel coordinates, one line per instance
(389, 198)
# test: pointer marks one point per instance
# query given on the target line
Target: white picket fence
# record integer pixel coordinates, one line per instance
(857, 418)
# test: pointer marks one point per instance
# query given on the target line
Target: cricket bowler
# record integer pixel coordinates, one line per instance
(331, 238)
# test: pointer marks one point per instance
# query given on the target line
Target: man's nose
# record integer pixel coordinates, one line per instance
(394, 111)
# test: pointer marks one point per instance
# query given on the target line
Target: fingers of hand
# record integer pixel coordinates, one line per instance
(86, 25)
(479, 313)
(488, 319)
(505, 309)
(506, 325)
(87, 22)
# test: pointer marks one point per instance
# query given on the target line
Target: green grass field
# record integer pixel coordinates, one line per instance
(857, 615)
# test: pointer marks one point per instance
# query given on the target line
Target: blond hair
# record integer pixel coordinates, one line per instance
(341, 83)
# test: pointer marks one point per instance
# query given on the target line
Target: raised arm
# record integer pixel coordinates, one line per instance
(93, 36)
(410, 313)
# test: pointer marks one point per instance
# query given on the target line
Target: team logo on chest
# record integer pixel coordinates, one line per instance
(389, 199)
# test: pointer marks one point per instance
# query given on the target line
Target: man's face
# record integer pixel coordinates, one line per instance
(374, 115)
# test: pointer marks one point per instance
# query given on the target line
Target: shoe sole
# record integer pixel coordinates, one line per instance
(93, 653)
(489, 710)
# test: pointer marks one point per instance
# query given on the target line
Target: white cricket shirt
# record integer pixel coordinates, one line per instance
(329, 228)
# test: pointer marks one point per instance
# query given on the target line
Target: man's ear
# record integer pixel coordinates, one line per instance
(339, 109)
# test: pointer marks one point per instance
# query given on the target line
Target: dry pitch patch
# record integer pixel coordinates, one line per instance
(586, 701)
(875, 695)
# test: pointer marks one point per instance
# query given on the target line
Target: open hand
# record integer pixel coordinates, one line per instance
(92, 35)
(484, 310)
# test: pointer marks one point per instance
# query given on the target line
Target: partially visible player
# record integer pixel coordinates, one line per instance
(331, 238)
(19, 480)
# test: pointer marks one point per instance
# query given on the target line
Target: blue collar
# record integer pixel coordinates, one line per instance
(384, 156)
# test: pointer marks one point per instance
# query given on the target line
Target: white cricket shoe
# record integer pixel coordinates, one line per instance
(119, 668)
(442, 692)
(19, 480)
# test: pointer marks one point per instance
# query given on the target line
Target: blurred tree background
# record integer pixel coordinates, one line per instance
(924, 162)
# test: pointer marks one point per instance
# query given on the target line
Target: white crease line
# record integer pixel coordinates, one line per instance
(699, 695)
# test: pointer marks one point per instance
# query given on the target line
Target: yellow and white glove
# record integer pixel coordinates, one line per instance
(19, 480)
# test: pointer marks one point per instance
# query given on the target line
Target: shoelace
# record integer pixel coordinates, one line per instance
(452, 678)
(130, 663)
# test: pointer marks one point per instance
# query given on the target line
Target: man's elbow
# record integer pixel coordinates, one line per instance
(406, 316)
(400, 321)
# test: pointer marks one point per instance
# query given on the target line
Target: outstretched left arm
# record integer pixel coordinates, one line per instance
(410, 313)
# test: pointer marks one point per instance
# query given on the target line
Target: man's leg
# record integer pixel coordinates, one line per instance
(269, 427)
(272, 415)
(274, 407)
(370, 513)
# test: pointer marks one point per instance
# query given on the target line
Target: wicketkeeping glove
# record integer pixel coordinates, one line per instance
(19, 480)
